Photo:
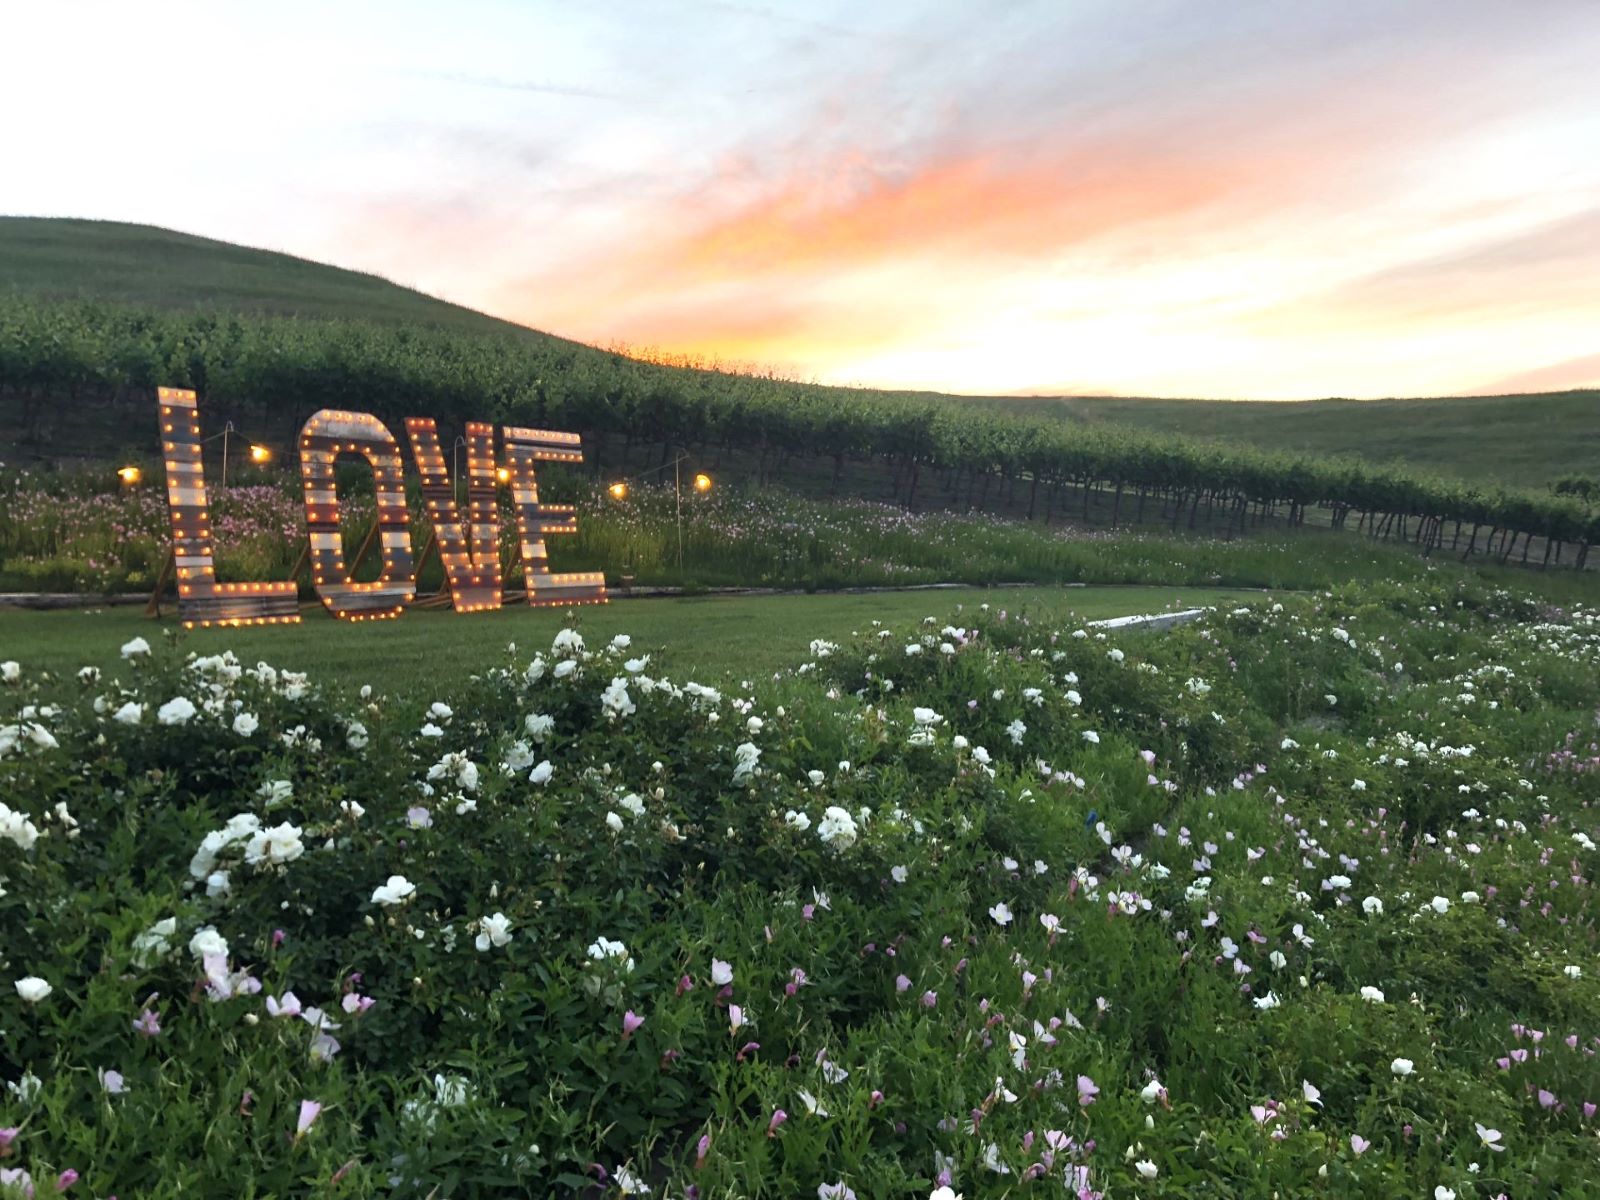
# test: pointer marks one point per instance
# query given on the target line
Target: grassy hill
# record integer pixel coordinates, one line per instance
(1524, 440)
(141, 264)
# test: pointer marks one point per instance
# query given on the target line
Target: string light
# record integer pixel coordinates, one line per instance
(202, 601)
(535, 521)
(470, 555)
(324, 437)
(468, 550)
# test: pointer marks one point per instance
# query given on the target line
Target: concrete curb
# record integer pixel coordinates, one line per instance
(46, 600)
(1155, 621)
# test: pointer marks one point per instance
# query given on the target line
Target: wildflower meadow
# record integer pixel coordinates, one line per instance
(68, 533)
(1293, 901)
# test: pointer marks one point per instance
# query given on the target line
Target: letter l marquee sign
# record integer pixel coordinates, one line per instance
(469, 549)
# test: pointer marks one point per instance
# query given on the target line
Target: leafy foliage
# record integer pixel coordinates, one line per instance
(988, 902)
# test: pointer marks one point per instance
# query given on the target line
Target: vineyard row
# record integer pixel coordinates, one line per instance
(273, 372)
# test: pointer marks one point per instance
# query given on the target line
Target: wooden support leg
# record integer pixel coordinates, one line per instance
(441, 598)
(510, 565)
(366, 544)
(153, 609)
(300, 563)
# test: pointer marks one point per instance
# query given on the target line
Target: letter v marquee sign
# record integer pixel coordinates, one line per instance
(469, 550)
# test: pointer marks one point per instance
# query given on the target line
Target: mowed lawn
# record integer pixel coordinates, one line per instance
(737, 636)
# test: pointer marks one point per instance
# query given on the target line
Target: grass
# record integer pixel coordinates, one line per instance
(1516, 439)
(140, 264)
(1525, 440)
(748, 636)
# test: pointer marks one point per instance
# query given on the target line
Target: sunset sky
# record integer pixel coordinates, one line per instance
(1263, 200)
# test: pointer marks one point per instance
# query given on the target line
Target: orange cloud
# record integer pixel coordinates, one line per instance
(842, 253)
(979, 204)
(847, 258)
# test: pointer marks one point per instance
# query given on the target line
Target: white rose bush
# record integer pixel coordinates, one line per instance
(892, 925)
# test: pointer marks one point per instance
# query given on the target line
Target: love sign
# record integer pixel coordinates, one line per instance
(467, 545)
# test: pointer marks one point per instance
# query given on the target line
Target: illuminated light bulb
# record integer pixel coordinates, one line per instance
(702, 483)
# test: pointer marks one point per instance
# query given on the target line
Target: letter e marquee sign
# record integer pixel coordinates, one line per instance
(468, 549)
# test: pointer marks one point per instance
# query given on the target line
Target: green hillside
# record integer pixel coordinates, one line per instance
(140, 264)
(1522, 440)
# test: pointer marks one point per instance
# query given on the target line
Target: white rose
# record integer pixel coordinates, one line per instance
(208, 941)
(153, 943)
(397, 890)
(177, 711)
(837, 828)
(493, 931)
(275, 846)
(32, 989)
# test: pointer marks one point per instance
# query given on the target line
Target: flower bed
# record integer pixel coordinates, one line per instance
(63, 535)
(1294, 900)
